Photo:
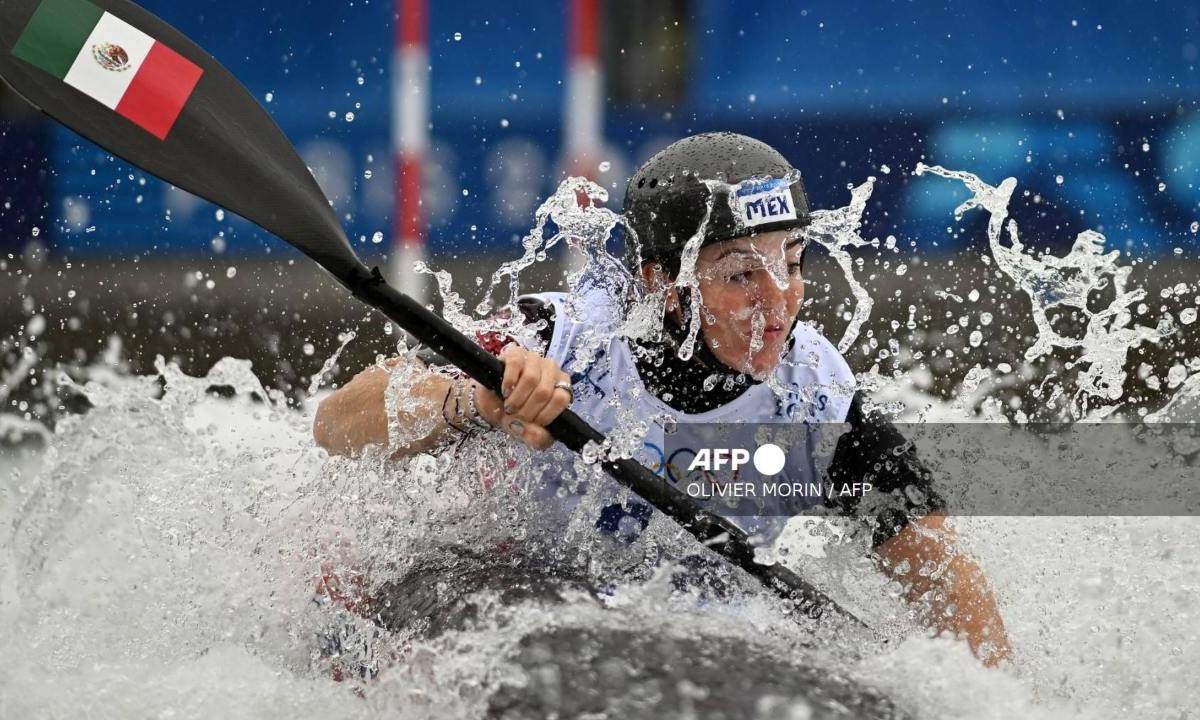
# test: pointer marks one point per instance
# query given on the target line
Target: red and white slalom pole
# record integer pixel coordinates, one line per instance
(410, 142)
(583, 112)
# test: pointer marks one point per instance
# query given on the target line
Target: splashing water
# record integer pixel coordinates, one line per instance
(181, 554)
(837, 230)
(1064, 282)
(330, 363)
(573, 214)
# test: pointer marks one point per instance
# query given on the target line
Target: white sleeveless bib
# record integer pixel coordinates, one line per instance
(609, 393)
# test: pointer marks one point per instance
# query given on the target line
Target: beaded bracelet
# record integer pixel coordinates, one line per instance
(473, 415)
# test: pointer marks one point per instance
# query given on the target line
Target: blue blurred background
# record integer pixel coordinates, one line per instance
(1091, 106)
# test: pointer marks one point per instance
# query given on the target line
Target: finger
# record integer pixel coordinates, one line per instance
(488, 403)
(531, 375)
(559, 401)
(514, 426)
(514, 363)
(542, 394)
(537, 437)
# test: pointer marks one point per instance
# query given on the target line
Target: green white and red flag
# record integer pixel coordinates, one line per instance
(110, 61)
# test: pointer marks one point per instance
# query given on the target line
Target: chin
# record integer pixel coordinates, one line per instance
(762, 364)
(758, 364)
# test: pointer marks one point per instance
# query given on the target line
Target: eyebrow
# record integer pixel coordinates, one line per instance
(747, 251)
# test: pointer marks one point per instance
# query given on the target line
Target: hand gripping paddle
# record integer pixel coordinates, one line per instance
(140, 89)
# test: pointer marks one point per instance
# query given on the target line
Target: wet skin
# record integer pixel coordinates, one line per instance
(750, 293)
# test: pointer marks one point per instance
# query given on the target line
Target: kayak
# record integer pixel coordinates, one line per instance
(600, 662)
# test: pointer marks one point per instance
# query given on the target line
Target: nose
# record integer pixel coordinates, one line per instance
(769, 296)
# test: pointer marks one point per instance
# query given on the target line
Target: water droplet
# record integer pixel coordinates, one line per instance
(1058, 179)
(752, 98)
(457, 36)
(231, 272)
(1195, 227)
(308, 349)
(1145, 147)
(349, 117)
(466, 192)
(269, 96)
(210, 284)
(218, 244)
(901, 269)
(36, 231)
(605, 166)
(220, 215)
(332, 114)
(478, 80)
(1176, 375)
(976, 338)
(885, 170)
(504, 122)
(36, 326)
(985, 318)
(377, 237)
(368, 174)
(361, 80)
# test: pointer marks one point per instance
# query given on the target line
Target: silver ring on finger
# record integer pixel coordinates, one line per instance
(564, 385)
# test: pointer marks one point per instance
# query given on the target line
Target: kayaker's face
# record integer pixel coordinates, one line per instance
(752, 290)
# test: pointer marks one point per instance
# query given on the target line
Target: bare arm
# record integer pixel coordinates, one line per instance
(355, 417)
(947, 586)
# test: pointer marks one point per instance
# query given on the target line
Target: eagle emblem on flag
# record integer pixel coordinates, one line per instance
(111, 57)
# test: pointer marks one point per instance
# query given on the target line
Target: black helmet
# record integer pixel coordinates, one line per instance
(667, 197)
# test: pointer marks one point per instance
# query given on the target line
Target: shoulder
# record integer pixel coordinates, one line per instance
(585, 324)
(592, 311)
(873, 450)
(540, 313)
(591, 307)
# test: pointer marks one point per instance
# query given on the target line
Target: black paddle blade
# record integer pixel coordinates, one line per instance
(71, 59)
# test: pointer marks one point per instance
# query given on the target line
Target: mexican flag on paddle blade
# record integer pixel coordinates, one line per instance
(111, 61)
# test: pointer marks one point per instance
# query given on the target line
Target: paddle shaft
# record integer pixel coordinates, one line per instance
(712, 530)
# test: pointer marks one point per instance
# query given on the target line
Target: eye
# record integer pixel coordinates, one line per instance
(794, 268)
(740, 278)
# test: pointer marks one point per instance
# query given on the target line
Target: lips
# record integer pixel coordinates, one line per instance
(772, 333)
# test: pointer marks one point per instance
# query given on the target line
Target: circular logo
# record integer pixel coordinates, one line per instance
(768, 459)
(111, 57)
